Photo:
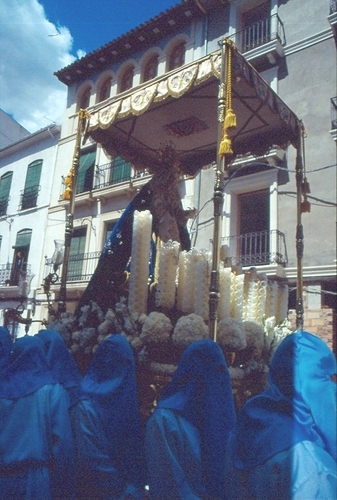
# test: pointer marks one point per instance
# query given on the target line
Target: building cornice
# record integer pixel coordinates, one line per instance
(50, 131)
(325, 271)
(308, 42)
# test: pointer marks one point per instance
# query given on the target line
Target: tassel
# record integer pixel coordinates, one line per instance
(230, 119)
(225, 145)
(67, 194)
(305, 206)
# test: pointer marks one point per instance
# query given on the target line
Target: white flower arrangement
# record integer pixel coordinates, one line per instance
(274, 334)
(156, 328)
(254, 333)
(231, 334)
(188, 329)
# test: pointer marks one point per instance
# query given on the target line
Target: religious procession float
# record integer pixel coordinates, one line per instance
(153, 287)
(150, 284)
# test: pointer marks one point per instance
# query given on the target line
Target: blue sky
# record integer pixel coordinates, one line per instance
(93, 23)
(39, 37)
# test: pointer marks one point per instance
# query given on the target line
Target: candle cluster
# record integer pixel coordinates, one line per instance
(182, 279)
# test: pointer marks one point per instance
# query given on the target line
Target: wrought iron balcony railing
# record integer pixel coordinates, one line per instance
(259, 33)
(80, 267)
(110, 175)
(28, 197)
(9, 276)
(258, 248)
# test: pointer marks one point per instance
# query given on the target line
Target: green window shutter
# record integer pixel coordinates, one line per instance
(33, 174)
(5, 187)
(76, 254)
(23, 238)
(86, 171)
(121, 171)
(32, 185)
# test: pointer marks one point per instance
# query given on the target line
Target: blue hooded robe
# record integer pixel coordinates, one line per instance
(61, 363)
(187, 435)
(36, 448)
(286, 436)
(109, 441)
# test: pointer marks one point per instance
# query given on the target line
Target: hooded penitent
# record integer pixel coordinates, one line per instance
(28, 370)
(201, 392)
(110, 383)
(299, 405)
(61, 363)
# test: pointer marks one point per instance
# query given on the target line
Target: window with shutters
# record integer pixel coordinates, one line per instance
(32, 185)
(5, 187)
(76, 254)
(86, 170)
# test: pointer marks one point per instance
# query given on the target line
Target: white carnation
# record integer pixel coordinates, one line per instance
(156, 328)
(231, 334)
(188, 329)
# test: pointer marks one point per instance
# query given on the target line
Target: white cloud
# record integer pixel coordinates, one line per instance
(32, 49)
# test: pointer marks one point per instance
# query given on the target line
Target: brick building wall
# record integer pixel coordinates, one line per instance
(320, 322)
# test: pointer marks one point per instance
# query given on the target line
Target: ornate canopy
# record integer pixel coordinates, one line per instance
(181, 107)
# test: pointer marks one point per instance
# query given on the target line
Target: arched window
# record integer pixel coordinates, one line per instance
(104, 90)
(177, 56)
(84, 98)
(151, 68)
(126, 80)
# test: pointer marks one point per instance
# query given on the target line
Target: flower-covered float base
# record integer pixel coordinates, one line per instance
(159, 338)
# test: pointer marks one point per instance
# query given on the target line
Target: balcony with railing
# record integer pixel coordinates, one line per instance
(258, 248)
(262, 40)
(80, 267)
(15, 282)
(28, 197)
(108, 175)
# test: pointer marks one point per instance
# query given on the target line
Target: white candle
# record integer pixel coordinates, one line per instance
(140, 256)
(225, 292)
(237, 293)
(167, 271)
(192, 257)
(262, 297)
(201, 289)
(181, 279)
